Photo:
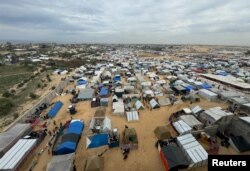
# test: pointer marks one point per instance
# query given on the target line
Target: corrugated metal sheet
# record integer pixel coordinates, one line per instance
(132, 116)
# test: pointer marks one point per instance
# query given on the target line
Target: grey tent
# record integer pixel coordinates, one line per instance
(94, 163)
(86, 94)
(162, 133)
(139, 105)
(164, 101)
(100, 112)
(12, 135)
(61, 162)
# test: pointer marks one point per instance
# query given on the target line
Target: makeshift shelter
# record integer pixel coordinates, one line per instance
(153, 104)
(173, 158)
(100, 125)
(97, 140)
(191, 121)
(139, 105)
(194, 152)
(209, 95)
(55, 109)
(181, 127)
(95, 102)
(179, 89)
(86, 94)
(132, 116)
(12, 135)
(239, 143)
(245, 107)
(100, 112)
(216, 116)
(130, 139)
(117, 78)
(61, 162)
(119, 92)
(104, 92)
(82, 83)
(104, 102)
(197, 110)
(94, 163)
(70, 138)
(164, 101)
(118, 108)
(240, 127)
(162, 133)
(17, 154)
(115, 98)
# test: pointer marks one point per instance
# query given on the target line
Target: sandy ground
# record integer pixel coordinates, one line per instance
(146, 158)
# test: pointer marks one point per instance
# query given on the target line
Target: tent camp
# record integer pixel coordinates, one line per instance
(55, 109)
(153, 104)
(194, 152)
(86, 94)
(61, 162)
(118, 108)
(181, 127)
(94, 163)
(17, 154)
(97, 140)
(100, 112)
(162, 133)
(173, 158)
(132, 116)
(139, 105)
(12, 135)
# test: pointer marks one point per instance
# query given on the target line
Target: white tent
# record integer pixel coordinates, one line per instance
(132, 116)
(16, 155)
(191, 121)
(181, 127)
(209, 95)
(118, 108)
(193, 151)
(139, 105)
(153, 104)
(106, 125)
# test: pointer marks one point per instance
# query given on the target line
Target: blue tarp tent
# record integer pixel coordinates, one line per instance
(117, 78)
(223, 73)
(206, 86)
(53, 111)
(189, 87)
(75, 127)
(82, 82)
(97, 140)
(104, 91)
(66, 148)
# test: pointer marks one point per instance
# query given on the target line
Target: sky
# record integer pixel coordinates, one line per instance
(225, 22)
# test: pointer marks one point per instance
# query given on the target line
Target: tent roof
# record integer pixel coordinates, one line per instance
(87, 93)
(61, 162)
(162, 133)
(174, 156)
(132, 116)
(94, 163)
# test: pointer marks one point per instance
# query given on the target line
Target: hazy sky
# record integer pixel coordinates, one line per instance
(127, 21)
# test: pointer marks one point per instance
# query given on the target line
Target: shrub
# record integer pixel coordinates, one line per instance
(5, 106)
(6, 94)
(38, 85)
(53, 88)
(15, 115)
(12, 91)
(20, 85)
(33, 95)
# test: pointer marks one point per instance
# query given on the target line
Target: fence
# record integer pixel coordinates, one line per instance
(45, 99)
